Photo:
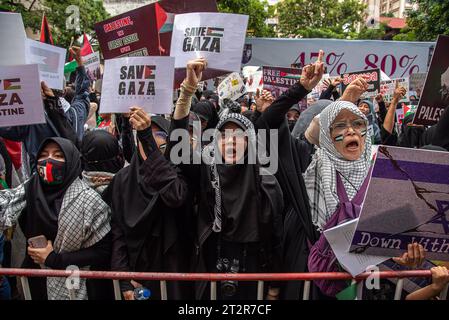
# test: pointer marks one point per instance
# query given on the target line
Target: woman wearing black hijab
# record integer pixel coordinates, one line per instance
(416, 136)
(239, 210)
(102, 159)
(57, 204)
(146, 225)
(207, 113)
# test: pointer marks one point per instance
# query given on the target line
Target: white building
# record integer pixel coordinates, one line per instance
(396, 7)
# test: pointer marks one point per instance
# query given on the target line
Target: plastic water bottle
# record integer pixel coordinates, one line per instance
(142, 293)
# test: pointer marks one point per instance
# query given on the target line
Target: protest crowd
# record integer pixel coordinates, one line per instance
(214, 179)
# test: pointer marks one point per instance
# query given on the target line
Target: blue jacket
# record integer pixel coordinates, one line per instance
(80, 105)
(33, 135)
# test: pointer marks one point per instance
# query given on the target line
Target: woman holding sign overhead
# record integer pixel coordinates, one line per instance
(148, 227)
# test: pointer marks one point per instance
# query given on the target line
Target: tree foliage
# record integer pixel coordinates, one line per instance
(430, 19)
(326, 18)
(90, 12)
(257, 14)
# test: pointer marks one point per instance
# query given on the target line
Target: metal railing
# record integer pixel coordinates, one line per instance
(213, 278)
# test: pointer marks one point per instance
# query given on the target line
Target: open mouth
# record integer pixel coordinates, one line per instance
(352, 145)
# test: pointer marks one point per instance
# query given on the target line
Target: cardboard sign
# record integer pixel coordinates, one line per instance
(416, 85)
(435, 95)
(50, 60)
(407, 201)
(277, 80)
(20, 96)
(146, 82)
(218, 37)
(387, 88)
(253, 78)
(12, 39)
(371, 76)
(398, 59)
(133, 33)
(232, 87)
(92, 65)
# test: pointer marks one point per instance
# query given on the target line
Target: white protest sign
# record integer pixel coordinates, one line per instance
(12, 39)
(232, 87)
(339, 238)
(254, 78)
(20, 96)
(387, 88)
(146, 82)
(50, 60)
(218, 37)
(92, 64)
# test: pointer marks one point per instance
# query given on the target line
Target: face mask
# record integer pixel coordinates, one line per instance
(51, 171)
(291, 124)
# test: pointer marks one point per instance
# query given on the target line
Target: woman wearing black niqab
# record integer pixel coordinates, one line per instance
(57, 204)
(102, 158)
(146, 225)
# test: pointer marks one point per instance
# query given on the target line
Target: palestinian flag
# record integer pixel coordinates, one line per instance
(45, 31)
(215, 32)
(288, 75)
(86, 49)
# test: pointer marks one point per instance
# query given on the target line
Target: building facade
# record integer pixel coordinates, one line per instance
(398, 8)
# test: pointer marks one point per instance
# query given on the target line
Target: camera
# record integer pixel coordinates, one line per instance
(228, 287)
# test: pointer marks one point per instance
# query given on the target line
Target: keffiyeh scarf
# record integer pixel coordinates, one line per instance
(321, 175)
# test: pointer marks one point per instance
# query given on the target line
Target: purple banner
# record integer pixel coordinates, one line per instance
(407, 201)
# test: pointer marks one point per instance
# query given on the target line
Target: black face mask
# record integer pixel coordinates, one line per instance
(291, 124)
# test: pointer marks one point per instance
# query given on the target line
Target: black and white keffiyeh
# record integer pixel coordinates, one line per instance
(320, 177)
(213, 157)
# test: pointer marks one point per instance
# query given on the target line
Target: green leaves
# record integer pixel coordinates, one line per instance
(323, 19)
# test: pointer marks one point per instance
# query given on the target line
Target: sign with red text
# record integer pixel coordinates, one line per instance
(133, 33)
(20, 96)
(277, 80)
(435, 95)
(398, 59)
(370, 76)
(146, 82)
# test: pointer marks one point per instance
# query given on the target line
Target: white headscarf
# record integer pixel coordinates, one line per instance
(320, 177)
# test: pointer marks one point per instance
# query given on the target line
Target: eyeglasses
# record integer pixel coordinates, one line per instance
(341, 127)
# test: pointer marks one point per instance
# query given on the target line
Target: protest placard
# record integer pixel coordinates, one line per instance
(371, 76)
(133, 33)
(277, 80)
(398, 59)
(92, 64)
(146, 82)
(387, 88)
(232, 87)
(12, 39)
(50, 60)
(218, 37)
(416, 85)
(435, 95)
(407, 201)
(20, 96)
(339, 238)
(253, 78)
